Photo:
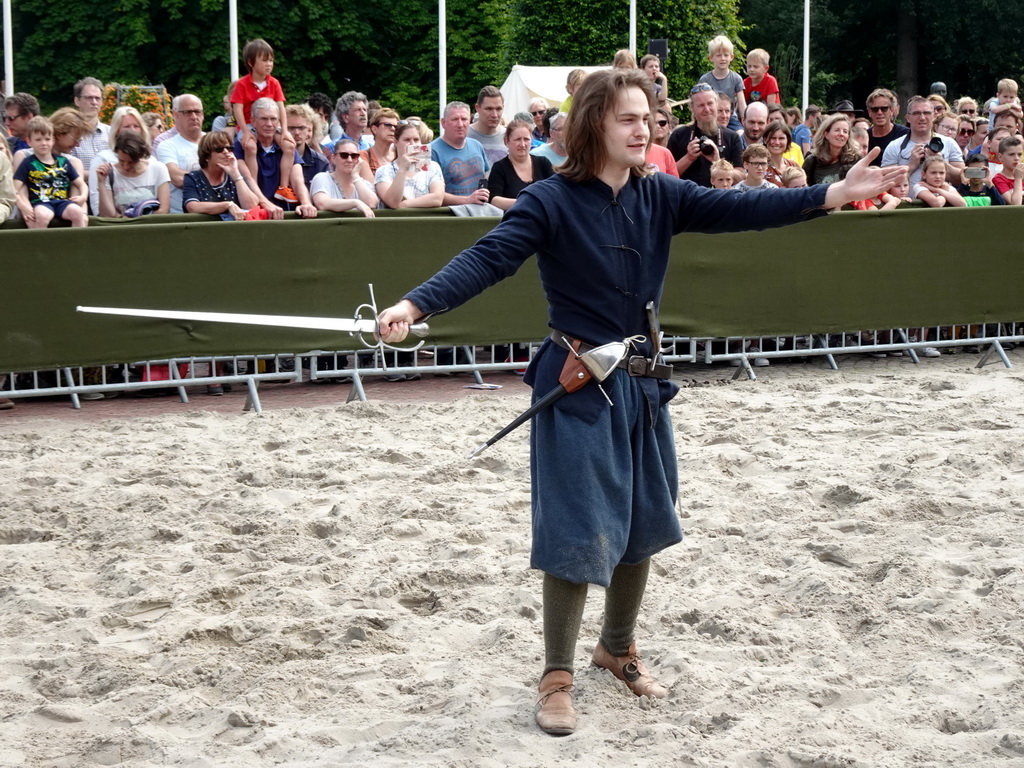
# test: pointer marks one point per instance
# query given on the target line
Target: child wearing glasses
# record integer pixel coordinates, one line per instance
(755, 162)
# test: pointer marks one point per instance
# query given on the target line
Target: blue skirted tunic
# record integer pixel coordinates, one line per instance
(604, 478)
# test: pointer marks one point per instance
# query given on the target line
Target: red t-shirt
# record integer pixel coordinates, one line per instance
(246, 93)
(1003, 183)
(661, 158)
(762, 90)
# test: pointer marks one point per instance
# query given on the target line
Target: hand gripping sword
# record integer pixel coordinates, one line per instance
(356, 326)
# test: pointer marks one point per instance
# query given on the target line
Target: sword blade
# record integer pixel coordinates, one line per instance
(349, 325)
(284, 321)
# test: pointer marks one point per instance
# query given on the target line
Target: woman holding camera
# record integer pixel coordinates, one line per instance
(412, 179)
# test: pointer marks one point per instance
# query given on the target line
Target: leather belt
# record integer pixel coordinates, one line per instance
(634, 365)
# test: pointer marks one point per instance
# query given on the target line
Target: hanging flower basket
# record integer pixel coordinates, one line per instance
(145, 98)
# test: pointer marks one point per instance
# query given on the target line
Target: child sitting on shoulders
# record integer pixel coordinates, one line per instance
(977, 189)
(259, 83)
(793, 178)
(1008, 181)
(759, 85)
(933, 188)
(755, 162)
(723, 175)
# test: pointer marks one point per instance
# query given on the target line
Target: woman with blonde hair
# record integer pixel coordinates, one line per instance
(833, 152)
(124, 119)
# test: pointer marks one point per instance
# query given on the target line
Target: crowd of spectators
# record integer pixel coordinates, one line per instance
(264, 156)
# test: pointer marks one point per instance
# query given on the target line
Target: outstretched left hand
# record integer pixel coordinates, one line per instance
(864, 181)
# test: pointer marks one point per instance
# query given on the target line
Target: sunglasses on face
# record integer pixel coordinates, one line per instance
(538, 112)
(968, 111)
(347, 155)
(965, 132)
(222, 149)
(662, 123)
(883, 108)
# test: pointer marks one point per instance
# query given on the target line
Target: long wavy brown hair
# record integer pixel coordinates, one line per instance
(584, 135)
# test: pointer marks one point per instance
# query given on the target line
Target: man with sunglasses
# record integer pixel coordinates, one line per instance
(699, 144)
(538, 108)
(19, 108)
(881, 104)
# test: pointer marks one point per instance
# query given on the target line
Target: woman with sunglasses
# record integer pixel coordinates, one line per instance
(664, 123)
(383, 126)
(659, 156)
(344, 188)
(538, 108)
(965, 105)
(965, 132)
(217, 188)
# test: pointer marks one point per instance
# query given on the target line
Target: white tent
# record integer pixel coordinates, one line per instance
(524, 84)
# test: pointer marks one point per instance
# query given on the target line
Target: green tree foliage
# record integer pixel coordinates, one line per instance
(588, 33)
(383, 48)
(855, 47)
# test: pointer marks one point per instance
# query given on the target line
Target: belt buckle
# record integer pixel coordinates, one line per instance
(637, 365)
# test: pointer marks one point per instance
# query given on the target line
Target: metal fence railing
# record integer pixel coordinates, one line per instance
(182, 374)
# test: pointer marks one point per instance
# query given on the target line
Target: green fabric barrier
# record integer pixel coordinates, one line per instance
(852, 270)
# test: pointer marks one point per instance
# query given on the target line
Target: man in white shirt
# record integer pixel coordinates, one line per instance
(181, 153)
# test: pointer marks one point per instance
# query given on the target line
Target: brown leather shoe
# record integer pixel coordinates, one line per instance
(555, 713)
(631, 670)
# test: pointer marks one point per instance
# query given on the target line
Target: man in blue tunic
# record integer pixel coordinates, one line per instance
(605, 479)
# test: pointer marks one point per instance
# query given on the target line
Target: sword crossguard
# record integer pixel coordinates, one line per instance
(419, 329)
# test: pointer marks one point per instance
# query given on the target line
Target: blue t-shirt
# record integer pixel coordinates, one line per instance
(463, 169)
(802, 135)
(268, 167)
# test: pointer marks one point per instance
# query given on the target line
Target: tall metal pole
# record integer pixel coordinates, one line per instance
(807, 56)
(233, 34)
(442, 55)
(632, 27)
(8, 50)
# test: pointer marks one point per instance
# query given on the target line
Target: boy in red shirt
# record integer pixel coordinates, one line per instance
(259, 59)
(1009, 180)
(759, 85)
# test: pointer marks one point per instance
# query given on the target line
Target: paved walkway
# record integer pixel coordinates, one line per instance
(275, 396)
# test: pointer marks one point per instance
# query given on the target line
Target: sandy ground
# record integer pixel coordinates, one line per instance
(340, 586)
